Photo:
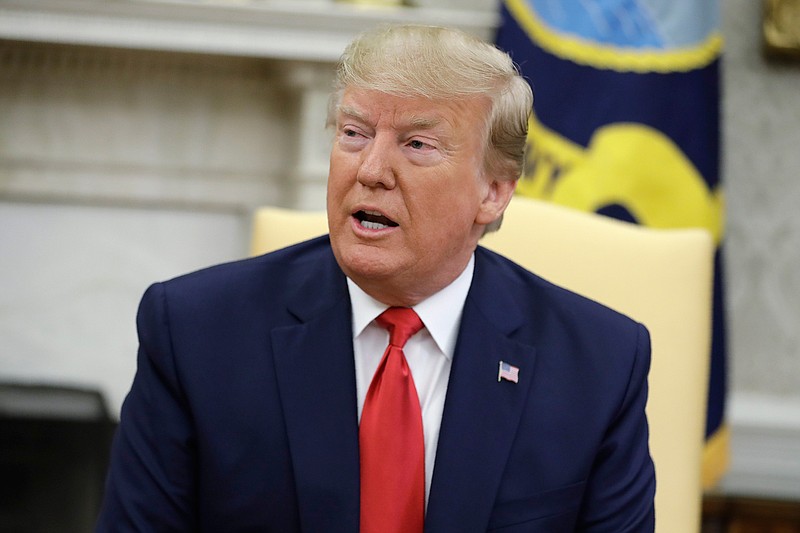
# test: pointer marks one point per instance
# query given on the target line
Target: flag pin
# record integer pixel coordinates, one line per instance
(508, 372)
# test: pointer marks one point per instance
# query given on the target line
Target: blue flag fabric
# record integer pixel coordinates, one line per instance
(626, 123)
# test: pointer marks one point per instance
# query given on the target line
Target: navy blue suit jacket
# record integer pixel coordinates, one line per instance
(242, 415)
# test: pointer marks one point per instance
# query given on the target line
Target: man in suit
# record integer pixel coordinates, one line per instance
(275, 393)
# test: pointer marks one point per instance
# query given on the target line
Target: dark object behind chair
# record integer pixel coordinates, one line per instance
(54, 445)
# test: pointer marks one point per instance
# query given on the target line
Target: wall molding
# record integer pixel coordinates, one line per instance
(114, 184)
(104, 126)
(765, 446)
(306, 30)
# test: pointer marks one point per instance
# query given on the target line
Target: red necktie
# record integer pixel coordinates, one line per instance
(390, 437)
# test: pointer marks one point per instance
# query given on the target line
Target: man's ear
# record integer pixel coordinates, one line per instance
(498, 195)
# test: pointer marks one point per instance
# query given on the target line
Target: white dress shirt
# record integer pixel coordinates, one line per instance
(429, 353)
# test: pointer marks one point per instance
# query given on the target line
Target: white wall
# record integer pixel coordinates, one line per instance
(71, 277)
(762, 178)
(761, 171)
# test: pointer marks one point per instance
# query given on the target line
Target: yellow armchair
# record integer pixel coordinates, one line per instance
(662, 278)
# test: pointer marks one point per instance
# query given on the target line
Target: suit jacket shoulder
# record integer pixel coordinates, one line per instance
(538, 303)
(242, 415)
(286, 275)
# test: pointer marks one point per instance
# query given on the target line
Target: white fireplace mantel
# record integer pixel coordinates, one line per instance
(133, 96)
(304, 30)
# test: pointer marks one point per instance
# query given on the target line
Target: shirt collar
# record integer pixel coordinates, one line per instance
(440, 312)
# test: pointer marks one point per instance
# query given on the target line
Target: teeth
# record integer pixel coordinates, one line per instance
(375, 213)
(373, 225)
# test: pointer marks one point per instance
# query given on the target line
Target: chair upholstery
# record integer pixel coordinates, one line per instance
(275, 227)
(662, 278)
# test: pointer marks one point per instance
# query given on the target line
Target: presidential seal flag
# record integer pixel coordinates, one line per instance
(626, 123)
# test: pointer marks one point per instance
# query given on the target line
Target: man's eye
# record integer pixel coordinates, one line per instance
(350, 133)
(417, 145)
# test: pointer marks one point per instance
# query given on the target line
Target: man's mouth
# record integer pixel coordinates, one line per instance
(374, 220)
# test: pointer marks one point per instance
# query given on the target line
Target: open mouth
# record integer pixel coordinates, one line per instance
(374, 220)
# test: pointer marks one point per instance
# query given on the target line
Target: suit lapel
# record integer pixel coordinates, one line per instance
(481, 414)
(316, 377)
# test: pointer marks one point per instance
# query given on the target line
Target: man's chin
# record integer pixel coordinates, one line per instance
(366, 266)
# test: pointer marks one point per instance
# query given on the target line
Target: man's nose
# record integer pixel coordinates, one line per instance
(376, 168)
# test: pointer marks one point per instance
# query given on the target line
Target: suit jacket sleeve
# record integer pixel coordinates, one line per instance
(621, 487)
(151, 478)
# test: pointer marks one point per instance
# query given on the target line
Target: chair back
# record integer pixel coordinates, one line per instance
(276, 227)
(662, 278)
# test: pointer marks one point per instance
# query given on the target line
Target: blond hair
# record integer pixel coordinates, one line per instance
(444, 63)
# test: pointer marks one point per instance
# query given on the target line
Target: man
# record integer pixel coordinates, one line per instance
(267, 399)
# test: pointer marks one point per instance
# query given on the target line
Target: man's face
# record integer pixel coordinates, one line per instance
(407, 194)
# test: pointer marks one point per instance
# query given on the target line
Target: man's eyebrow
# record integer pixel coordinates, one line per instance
(416, 122)
(424, 123)
(352, 112)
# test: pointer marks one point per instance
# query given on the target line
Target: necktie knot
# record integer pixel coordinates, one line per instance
(401, 322)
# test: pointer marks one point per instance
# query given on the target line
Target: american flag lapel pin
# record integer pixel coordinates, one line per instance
(508, 372)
